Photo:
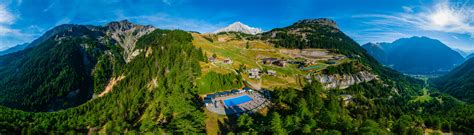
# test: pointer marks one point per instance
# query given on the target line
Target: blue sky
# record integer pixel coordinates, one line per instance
(452, 22)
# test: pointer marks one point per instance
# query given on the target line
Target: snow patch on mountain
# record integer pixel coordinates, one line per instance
(240, 27)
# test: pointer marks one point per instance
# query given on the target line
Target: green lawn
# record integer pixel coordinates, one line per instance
(423, 98)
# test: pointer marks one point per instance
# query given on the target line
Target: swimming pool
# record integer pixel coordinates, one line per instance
(237, 100)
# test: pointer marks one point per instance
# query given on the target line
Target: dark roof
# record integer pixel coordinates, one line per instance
(265, 59)
(247, 88)
(210, 96)
(223, 93)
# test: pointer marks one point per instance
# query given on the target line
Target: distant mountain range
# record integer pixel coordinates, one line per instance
(463, 53)
(415, 55)
(240, 27)
(14, 49)
(469, 56)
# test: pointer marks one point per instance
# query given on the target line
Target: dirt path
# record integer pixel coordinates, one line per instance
(111, 84)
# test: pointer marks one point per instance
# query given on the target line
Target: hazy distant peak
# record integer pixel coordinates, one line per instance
(240, 27)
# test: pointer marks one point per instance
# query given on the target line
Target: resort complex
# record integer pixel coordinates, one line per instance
(246, 100)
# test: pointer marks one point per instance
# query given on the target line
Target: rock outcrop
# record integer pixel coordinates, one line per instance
(319, 21)
(126, 35)
(345, 80)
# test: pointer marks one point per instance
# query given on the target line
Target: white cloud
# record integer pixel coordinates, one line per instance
(441, 17)
(9, 36)
(5, 31)
(167, 2)
(448, 17)
(455, 37)
(50, 6)
(5, 16)
(64, 20)
(407, 9)
(19, 2)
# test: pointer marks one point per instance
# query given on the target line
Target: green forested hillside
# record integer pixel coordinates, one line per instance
(459, 82)
(53, 75)
(65, 67)
(314, 33)
(214, 82)
(131, 106)
(371, 109)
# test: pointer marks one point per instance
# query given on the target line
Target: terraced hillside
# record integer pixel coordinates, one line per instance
(247, 54)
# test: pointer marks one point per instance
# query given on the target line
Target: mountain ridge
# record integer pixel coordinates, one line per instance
(459, 81)
(13, 49)
(470, 56)
(96, 52)
(416, 55)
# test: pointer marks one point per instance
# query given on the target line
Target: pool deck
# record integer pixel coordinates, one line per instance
(258, 102)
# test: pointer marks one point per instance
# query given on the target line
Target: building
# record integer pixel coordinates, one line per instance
(211, 59)
(271, 72)
(227, 61)
(280, 63)
(353, 56)
(254, 73)
(235, 91)
(269, 60)
(247, 89)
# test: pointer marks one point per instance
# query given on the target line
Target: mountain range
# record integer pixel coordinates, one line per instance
(14, 49)
(415, 55)
(469, 56)
(135, 79)
(463, 52)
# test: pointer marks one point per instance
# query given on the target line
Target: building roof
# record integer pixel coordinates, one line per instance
(210, 96)
(269, 59)
(235, 91)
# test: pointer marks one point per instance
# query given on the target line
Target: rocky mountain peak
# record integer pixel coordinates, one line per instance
(319, 21)
(123, 25)
(240, 27)
(126, 35)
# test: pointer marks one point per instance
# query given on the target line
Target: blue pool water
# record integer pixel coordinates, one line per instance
(237, 100)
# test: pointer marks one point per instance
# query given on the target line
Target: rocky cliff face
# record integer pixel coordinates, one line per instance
(126, 35)
(344, 81)
(123, 33)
